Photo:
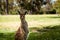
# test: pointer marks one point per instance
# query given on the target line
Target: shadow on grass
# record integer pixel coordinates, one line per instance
(54, 17)
(7, 36)
(47, 33)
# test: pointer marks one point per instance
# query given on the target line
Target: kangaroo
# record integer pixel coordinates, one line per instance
(22, 31)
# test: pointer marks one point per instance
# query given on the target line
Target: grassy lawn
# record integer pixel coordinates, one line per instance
(15, 18)
(42, 27)
(47, 33)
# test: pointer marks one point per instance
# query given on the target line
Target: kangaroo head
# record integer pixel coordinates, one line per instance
(22, 14)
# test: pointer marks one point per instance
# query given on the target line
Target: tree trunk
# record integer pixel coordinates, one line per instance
(7, 10)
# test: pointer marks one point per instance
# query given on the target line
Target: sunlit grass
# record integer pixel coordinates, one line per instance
(37, 25)
(8, 18)
(10, 23)
(15, 18)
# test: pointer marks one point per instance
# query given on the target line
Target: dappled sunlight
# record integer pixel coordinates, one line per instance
(33, 21)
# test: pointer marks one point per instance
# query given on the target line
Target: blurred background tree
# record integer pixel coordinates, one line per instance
(32, 6)
(57, 6)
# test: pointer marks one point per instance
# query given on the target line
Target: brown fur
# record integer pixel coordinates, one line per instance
(19, 34)
(22, 31)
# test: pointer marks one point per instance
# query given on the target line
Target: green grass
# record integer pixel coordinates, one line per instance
(8, 18)
(38, 20)
(7, 36)
(15, 18)
(47, 33)
(42, 27)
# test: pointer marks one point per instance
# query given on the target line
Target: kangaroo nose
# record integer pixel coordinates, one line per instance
(22, 16)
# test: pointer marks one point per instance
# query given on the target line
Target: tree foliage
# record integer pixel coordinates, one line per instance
(57, 6)
(32, 6)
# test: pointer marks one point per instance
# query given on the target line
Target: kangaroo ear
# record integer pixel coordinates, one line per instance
(18, 12)
(25, 12)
